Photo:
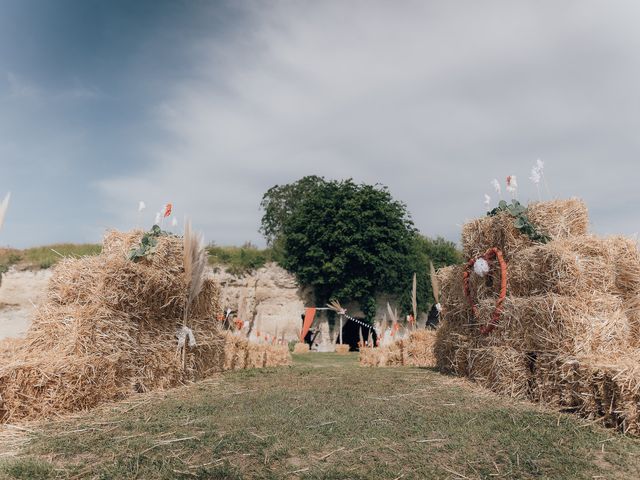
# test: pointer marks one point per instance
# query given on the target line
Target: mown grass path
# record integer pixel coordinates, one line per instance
(323, 418)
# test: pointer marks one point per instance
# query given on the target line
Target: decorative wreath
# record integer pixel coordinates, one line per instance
(481, 266)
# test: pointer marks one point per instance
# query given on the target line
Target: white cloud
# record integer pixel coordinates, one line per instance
(429, 98)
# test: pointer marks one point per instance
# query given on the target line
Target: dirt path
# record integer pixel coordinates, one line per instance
(20, 292)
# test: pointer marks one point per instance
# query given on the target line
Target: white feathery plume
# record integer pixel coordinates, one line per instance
(3, 208)
(535, 176)
(540, 165)
(195, 261)
(158, 218)
(141, 206)
(512, 185)
(174, 222)
(487, 200)
(496, 186)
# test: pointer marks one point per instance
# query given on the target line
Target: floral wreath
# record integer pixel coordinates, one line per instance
(481, 266)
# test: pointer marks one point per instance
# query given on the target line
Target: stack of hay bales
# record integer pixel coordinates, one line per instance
(569, 332)
(107, 329)
(415, 350)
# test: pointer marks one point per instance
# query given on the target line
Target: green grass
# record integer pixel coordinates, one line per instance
(324, 418)
(240, 260)
(45, 256)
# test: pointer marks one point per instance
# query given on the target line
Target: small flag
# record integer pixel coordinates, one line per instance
(167, 210)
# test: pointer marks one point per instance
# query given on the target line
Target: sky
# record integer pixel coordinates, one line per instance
(208, 104)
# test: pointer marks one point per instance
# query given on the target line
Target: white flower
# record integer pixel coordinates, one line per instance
(540, 165)
(141, 206)
(496, 186)
(535, 175)
(512, 184)
(158, 218)
(487, 200)
(481, 267)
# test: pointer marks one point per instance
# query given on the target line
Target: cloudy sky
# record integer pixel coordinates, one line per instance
(208, 104)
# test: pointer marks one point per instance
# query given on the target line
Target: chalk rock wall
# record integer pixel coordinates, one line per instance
(270, 297)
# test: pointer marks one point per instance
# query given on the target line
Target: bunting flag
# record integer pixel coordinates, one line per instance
(361, 323)
(309, 314)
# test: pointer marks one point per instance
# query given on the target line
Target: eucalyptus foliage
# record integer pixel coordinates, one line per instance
(148, 243)
(520, 220)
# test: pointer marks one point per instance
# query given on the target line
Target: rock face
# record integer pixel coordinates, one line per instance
(20, 293)
(270, 297)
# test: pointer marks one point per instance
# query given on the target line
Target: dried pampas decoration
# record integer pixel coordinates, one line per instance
(512, 186)
(3, 208)
(496, 186)
(195, 261)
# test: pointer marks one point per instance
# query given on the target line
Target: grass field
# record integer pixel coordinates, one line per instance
(323, 418)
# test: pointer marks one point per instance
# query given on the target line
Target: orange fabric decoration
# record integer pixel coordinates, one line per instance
(167, 210)
(309, 314)
(490, 255)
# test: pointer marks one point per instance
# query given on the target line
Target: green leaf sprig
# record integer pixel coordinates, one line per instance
(148, 243)
(520, 220)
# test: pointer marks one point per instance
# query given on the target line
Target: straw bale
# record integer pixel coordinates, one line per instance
(55, 384)
(626, 258)
(590, 323)
(368, 357)
(342, 349)
(109, 329)
(569, 266)
(603, 388)
(557, 219)
(119, 243)
(301, 347)
(503, 370)
(419, 348)
(278, 356)
(451, 348)
(10, 349)
(257, 357)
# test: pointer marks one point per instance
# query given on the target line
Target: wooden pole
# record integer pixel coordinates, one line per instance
(340, 329)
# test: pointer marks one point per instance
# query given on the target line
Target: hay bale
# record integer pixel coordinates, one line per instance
(503, 370)
(558, 219)
(108, 330)
(55, 384)
(569, 266)
(257, 357)
(301, 347)
(342, 349)
(419, 348)
(368, 357)
(602, 388)
(278, 356)
(590, 323)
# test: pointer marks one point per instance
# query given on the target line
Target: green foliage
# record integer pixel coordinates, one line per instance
(240, 260)
(148, 243)
(521, 221)
(279, 203)
(349, 242)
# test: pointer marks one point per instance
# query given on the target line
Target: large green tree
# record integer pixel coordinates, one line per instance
(350, 241)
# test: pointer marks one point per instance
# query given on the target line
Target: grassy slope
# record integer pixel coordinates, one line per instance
(237, 259)
(324, 418)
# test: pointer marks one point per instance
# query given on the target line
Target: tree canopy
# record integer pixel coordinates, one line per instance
(350, 241)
